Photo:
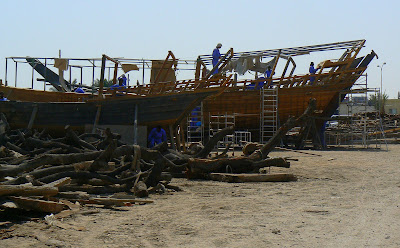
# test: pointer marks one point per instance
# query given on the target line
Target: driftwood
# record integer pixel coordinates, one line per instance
(213, 141)
(74, 138)
(115, 201)
(48, 159)
(96, 164)
(241, 178)
(290, 123)
(27, 190)
(199, 168)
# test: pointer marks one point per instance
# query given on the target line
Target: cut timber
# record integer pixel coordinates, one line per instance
(37, 205)
(241, 178)
(27, 190)
(115, 201)
(140, 189)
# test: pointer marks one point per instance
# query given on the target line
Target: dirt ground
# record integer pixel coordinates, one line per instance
(344, 198)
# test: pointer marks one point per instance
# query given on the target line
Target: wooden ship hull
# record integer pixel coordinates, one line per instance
(246, 105)
(250, 101)
(162, 110)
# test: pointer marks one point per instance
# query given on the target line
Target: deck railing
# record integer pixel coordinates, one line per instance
(299, 80)
(173, 87)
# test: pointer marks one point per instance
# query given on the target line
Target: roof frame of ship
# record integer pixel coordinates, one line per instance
(293, 51)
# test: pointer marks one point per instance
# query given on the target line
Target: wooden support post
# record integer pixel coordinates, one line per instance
(178, 139)
(171, 134)
(103, 66)
(135, 126)
(269, 81)
(115, 73)
(61, 80)
(33, 116)
(96, 120)
(182, 132)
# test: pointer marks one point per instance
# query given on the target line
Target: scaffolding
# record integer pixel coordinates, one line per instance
(219, 122)
(359, 123)
(268, 113)
(195, 125)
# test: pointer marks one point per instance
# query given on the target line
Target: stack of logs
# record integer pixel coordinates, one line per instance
(38, 172)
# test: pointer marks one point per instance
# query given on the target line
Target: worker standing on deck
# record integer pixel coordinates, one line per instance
(79, 90)
(312, 72)
(268, 72)
(157, 136)
(216, 55)
(122, 80)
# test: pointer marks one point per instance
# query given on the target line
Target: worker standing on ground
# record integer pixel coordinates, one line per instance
(2, 97)
(216, 55)
(157, 136)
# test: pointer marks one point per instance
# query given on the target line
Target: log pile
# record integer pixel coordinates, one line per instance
(41, 173)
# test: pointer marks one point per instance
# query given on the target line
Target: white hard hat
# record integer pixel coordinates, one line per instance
(219, 45)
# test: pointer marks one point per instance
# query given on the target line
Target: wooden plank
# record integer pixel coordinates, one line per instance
(241, 178)
(114, 201)
(37, 205)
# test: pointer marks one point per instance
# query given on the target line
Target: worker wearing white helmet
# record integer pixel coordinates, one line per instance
(216, 55)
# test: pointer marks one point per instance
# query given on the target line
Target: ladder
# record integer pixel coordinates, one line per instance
(268, 113)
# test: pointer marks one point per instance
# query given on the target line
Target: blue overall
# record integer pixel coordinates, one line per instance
(157, 137)
(215, 58)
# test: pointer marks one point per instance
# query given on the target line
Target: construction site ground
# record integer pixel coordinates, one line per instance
(343, 198)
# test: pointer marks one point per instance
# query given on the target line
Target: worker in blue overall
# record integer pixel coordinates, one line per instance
(312, 72)
(157, 136)
(79, 90)
(122, 80)
(216, 55)
(2, 97)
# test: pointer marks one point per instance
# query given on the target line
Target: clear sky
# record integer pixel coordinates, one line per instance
(148, 29)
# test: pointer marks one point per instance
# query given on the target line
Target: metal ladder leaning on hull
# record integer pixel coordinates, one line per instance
(268, 113)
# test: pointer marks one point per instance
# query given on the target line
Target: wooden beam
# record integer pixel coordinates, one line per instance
(103, 66)
(33, 117)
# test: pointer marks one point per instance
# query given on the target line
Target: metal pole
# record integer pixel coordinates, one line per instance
(45, 74)
(381, 105)
(16, 73)
(143, 73)
(6, 73)
(135, 127)
(93, 75)
(33, 74)
(81, 75)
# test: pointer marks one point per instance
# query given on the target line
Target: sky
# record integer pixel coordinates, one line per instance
(149, 29)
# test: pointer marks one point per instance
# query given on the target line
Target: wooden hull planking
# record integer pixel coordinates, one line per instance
(161, 110)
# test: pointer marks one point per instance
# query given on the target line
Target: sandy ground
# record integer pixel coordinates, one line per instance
(342, 199)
